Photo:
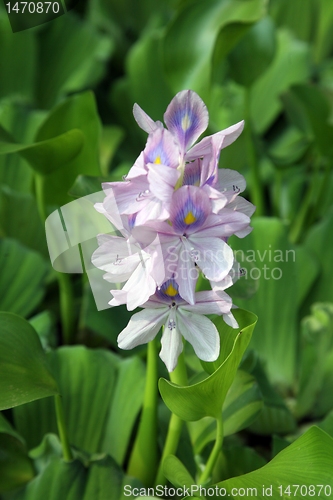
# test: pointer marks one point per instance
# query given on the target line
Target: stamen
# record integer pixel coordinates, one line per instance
(171, 324)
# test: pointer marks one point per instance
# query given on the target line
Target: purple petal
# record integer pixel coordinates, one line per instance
(144, 121)
(161, 149)
(186, 117)
(189, 210)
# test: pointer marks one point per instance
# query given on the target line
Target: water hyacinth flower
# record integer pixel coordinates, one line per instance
(175, 212)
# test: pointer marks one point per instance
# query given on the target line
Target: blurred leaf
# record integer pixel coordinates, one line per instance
(254, 53)
(242, 404)
(309, 109)
(84, 376)
(44, 324)
(78, 111)
(176, 472)
(290, 65)
(19, 219)
(46, 156)
(298, 16)
(274, 417)
(320, 245)
(288, 148)
(284, 273)
(18, 57)
(190, 38)
(206, 398)
(16, 467)
(112, 136)
(73, 56)
(238, 460)
(327, 424)
(315, 350)
(307, 461)
(25, 375)
(23, 274)
(323, 39)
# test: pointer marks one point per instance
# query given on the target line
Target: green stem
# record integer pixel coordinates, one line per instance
(256, 185)
(143, 460)
(178, 376)
(66, 449)
(214, 453)
(66, 307)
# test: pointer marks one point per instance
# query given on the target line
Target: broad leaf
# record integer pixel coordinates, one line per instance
(206, 398)
(24, 373)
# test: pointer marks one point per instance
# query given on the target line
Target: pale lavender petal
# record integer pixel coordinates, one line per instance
(208, 302)
(186, 117)
(186, 274)
(142, 327)
(213, 256)
(224, 224)
(240, 204)
(140, 287)
(230, 320)
(137, 169)
(130, 196)
(151, 209)
(162, 149)
(172, 344)
(162, 181)
(189, 210)
(201, 333)
(230, 180)
(144, 121)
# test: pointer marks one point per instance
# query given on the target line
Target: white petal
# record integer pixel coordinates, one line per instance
(230, 320)
(142, 327)
(172, 346)
(201, 333)
(230, 180)
(144, 121)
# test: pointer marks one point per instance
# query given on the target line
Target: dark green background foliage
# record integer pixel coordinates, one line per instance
(67, 89)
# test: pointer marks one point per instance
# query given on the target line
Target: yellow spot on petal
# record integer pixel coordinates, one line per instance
(189, 219)
(157, 160)
(186, 122)
(171, 291)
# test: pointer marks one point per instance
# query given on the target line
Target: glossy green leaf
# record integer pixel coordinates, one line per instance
(101, 397)
(284, 274)
(16, 468)
(45, 325)
(290, 66)
(307, 461)
(254, 53)
(25, 375)
(316, 352)
(76, 112)
(190, 38)
(206, 398)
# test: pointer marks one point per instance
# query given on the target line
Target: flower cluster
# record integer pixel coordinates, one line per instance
(174, 213)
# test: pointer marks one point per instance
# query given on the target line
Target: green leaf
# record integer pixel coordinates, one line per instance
(207, 397)
(16, 468)
(24, 373)
(308, 461)
(254, 53)
(176, 472)
(316, 352)
(19, 219)
(81, 374)
(18, 60)
(23, 273)
(47, 156)
(76, 112)
(238, 460)
(284, 274)
(190, 39)
(321, 246)
(73, 56)
(290, 65)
